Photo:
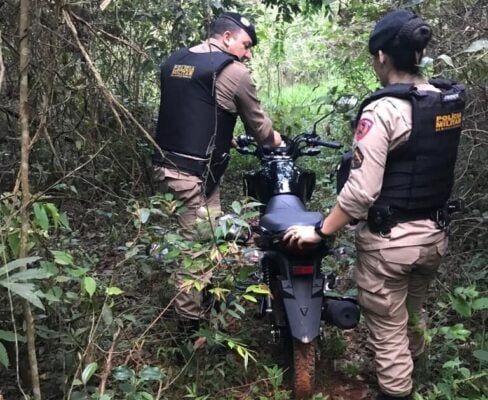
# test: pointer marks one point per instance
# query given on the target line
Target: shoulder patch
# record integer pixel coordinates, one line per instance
(357, 158)
(362, 129)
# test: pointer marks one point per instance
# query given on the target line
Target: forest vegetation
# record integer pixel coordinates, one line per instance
(87, 243)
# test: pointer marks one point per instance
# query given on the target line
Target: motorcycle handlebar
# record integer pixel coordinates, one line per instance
(324, 143)
(247, 145)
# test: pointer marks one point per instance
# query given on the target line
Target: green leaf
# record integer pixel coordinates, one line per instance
(150, 373)
(233, 314)
(53, 210)
(49, 266)
(236, 207)
(9, 336)
(477, 45)
(107, 314)
(461, 306)
(446, 59)
(3, 356)
(445, 389)
(250, 298)
(14, 243)
(25, 290)
(452, 364)
(113, 291)
(122, 373)
(253, 204)
(131, 252)
(259, 289)
(481, 355)
(144, 396)
(53, 294)
(456, 332)
(63, 219)
(33, 273)
(88, 372)
(466, 373)
(144, 214)
(480, 304)
(90, 285)
(17, 264)
(78, 271)
(41, 216)
(62, 258)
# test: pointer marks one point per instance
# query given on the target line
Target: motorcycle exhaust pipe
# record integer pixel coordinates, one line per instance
(343, 313)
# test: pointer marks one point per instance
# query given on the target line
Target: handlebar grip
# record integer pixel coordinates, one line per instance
(245, 150)
(244, 140)
(331, 145)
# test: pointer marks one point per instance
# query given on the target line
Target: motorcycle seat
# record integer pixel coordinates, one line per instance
(284, 202)
(287, 210)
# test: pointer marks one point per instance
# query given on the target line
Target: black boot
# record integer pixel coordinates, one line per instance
(383, 396)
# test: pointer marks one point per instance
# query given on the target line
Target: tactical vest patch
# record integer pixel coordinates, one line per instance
(448, 121)
(357, 158)
(183, 71)
(363, 127)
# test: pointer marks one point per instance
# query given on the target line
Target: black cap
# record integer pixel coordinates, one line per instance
(388, 27)
(243, 23)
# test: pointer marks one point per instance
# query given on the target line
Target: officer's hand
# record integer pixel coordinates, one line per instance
(277, 142)
(300, 236)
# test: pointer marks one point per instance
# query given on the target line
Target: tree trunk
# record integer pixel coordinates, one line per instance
(24, 59)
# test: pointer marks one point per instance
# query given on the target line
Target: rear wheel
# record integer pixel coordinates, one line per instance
(304, 362)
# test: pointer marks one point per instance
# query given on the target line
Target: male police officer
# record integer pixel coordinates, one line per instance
(203, 90)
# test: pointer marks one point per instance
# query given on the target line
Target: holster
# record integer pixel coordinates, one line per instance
(381, 218)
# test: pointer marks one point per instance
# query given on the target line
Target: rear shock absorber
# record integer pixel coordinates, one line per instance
(267, 280)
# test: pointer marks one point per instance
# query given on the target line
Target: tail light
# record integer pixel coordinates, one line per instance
(302, 270)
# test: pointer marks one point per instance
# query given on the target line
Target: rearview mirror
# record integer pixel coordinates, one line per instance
(345, 103)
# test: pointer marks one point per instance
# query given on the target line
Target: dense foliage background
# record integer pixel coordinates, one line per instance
(96, 283)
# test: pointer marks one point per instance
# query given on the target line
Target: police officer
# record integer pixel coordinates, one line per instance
(400, 179)
(203, 90)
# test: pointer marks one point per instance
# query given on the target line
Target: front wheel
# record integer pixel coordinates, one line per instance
(304, 362)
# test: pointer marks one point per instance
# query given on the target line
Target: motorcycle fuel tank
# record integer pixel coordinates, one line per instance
(279, 177)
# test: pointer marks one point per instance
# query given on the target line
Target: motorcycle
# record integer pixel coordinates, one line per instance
(299, 296)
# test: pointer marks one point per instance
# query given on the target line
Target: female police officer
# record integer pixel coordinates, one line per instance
(400, 179)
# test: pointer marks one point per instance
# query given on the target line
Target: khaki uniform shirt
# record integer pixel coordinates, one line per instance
(384, 125)
(236, 93)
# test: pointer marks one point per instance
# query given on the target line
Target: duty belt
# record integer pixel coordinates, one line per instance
(382, 218)
(185, 164)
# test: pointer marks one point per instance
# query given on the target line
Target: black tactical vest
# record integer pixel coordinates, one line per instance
(190, 122)
(419, 174)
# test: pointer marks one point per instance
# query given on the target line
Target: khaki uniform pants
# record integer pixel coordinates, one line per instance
(392, 285)
(188, 189)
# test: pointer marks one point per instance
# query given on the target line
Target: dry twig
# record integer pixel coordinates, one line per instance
(108, 364)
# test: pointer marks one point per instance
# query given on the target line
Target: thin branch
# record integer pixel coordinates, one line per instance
(113, 37)
(113, 103)
(108, 364)
(2, 67)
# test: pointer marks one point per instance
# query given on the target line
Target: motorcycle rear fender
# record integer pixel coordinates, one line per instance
(302, 300)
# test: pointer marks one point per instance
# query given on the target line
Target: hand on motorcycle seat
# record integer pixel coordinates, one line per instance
(301, 236)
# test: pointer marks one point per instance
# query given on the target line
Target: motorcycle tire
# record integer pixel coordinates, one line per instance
(304, 363)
